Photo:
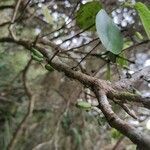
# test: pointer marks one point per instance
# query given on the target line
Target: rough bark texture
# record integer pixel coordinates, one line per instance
(102, 90)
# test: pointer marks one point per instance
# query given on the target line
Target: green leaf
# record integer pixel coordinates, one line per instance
(37, 53)
(108, 32)
(121, 61)
(49, 67)
(144, 14)
(85, 16)
(35, 57)
(127, 44)
(115, 134)
(139, 35)
(83, 105)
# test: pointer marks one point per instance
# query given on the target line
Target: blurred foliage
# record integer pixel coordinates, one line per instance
(144, 14)
(54, 123)
(87, 13)
(7, 2)
(115, 134)
(11, 63)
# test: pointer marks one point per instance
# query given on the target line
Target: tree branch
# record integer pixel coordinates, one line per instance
(102, 90)
(140, 139)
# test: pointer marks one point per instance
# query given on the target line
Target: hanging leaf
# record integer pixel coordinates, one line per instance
(83, 105)
(139, 36)
(37, 53)
(86, 15)
(34, 57)
(144, 14)
(127, 43)
(49, 67)
(108, 32)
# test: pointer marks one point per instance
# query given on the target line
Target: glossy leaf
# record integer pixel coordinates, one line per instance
(108, 32)
(144, 14)
(86, 15)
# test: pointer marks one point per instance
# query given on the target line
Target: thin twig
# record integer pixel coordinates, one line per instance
(87, 55)
(13, 19)
(65, 24)
(81, 45)
(118, 143)
(23, 10)
(78, 33)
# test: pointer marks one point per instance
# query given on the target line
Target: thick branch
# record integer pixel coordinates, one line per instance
(97, 85)
(126, 96)
(137, 77)
(132, 133)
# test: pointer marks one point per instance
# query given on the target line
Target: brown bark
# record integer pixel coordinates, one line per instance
(102, 89)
